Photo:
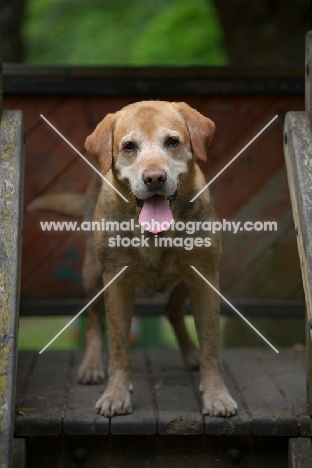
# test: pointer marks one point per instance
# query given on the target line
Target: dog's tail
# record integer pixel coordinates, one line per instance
(66, 203)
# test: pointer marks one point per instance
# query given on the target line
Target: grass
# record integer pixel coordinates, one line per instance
(35, 333)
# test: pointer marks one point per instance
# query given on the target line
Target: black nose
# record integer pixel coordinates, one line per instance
(154, 179)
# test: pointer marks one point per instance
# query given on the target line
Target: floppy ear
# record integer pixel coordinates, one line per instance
(99, 145)
(201, 129)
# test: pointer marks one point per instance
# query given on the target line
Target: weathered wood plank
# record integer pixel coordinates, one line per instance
(233, 116)
(308, 74)
(236, 425)
(11, 190)
(244, 179)
(143, 419)
(60, 267)
(155, 452)
(269, 395)
(287, 375)
(271, 203)
(25, 362)
(257, 163)
(157, 81)
(270, 413)
(42, 405)
(298, 156)
(19, 453)
(48, 154)
(178, 410)
(299, 452)
(1, 81)
(81, 419)
(252, 169)
(61, 170)
(80, 416)
(40, 246)
(274, 273)
(32, 108)
(291, 377)
(10, 103)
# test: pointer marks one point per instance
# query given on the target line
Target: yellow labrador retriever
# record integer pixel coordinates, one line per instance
(148, 152)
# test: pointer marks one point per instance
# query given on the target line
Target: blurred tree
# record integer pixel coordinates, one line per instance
(11, 17)
(176, 32)
(118, 32)
(265, 31)
(184, 33)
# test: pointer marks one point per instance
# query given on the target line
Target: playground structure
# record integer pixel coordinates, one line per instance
(48, 419)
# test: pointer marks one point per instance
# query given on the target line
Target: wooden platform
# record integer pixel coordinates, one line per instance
(270, 390)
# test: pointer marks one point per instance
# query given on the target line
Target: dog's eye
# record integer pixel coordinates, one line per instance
(129, 147)
(171, 142)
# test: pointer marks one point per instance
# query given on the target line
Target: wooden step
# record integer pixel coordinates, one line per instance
(270, 390)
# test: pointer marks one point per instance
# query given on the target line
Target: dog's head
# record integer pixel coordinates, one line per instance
(151, 145)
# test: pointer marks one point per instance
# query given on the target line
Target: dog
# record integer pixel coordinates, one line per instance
(147, 151)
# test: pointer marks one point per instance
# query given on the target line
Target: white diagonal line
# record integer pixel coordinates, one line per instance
(235, 157)
(82, 310)
(234, 308)
(83, 157)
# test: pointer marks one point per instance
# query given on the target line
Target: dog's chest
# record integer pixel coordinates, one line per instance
(157, 269)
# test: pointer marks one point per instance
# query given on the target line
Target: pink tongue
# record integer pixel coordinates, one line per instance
(155, 211)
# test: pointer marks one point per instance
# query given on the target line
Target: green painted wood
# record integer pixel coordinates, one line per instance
(11, 189)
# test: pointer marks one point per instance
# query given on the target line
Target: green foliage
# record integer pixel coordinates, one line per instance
(185, 33)
(118, 32)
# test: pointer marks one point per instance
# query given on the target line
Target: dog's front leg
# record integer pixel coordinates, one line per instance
(91, 370)
(205, 306)
(119, 304)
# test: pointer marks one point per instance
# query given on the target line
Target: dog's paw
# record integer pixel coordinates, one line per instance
(218, 403)
(114, 401)
(91, 372)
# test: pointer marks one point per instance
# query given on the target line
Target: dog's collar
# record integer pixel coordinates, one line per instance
(170, 199)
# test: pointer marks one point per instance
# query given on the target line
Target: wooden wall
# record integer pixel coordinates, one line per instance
(254, 265)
